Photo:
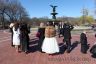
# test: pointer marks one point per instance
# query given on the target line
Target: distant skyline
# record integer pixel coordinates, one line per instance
(70, 8)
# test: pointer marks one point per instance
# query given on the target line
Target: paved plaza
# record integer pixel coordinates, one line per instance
(8, 55)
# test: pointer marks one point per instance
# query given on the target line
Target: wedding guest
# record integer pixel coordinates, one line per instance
(16, 36)
(41, 33)
(83, 40)
(24, 37)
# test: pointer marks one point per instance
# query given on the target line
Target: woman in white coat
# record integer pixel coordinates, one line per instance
(16, 37)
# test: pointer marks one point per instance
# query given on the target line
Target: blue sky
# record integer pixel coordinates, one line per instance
(72, 8)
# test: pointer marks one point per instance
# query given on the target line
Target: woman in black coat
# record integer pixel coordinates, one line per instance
(41, 33)
(83, 40)
(24, 37)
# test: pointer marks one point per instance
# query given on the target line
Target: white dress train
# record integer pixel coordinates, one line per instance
(50, 45)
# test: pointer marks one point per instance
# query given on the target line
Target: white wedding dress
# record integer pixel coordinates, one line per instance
(50, 45)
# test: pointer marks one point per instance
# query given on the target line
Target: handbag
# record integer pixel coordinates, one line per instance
(37, 34)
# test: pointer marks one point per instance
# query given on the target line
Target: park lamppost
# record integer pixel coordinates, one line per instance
(95, 10)
(85, 13)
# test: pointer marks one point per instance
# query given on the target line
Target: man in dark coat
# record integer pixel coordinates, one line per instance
(83, 40)
(67, 35)
(41, 35)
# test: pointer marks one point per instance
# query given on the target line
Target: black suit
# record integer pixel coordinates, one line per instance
(41, 32)
(67, 35)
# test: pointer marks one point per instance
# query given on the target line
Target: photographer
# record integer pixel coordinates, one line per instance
(67, 35)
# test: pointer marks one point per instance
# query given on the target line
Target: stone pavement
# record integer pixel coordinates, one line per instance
(8, 55)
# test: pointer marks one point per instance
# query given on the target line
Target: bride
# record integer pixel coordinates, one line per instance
(50, 44)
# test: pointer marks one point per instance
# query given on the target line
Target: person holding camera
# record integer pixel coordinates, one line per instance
(67, 35)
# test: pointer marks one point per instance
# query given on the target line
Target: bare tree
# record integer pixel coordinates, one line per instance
(15, 11)
(12, 10)
(2, 11)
